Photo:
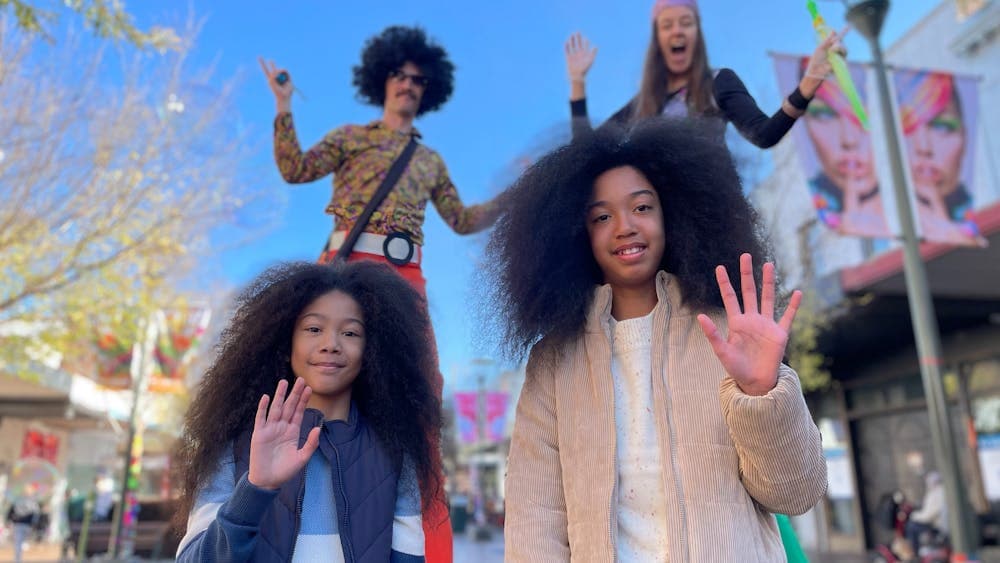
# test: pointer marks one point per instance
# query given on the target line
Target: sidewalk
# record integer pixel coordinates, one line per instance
(986, 555)
(468, 550)
(32, 552)
(37, 552)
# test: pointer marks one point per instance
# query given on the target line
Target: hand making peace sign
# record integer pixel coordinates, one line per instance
(282, 89)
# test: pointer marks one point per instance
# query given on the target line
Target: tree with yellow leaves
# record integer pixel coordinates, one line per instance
(107, 19)
(114, 173)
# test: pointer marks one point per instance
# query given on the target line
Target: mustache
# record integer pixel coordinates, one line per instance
(409, 93)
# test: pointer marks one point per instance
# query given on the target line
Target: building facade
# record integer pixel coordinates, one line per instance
(874, 418)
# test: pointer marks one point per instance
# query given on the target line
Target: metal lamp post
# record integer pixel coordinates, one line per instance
(867, 17)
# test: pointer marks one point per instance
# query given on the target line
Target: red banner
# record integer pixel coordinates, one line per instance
(40, 445)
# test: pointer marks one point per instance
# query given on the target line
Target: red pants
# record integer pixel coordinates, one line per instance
(437, 523)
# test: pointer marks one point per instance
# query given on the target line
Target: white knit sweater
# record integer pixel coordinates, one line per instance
(642, 503)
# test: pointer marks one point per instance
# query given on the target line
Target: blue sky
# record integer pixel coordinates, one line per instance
(510, 95)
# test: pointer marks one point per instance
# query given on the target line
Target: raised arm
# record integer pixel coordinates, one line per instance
(778, 444)
(225, 522)
(295, 166)
(739, 107)
(579, 58)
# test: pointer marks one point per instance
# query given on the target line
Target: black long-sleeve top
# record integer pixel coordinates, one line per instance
(735, 104)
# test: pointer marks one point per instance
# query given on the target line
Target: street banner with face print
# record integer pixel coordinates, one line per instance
(467, 417)
(936, 116)
(496, 416)
(836, 153)
(481, 417)
(937, 119)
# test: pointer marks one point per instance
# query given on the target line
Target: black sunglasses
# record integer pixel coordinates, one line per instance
(417, 79)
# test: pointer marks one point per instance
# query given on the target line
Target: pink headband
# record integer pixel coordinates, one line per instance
(660, 5)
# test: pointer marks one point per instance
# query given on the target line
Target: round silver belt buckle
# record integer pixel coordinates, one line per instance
(398, 248)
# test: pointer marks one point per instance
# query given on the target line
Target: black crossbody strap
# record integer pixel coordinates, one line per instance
(395, 171)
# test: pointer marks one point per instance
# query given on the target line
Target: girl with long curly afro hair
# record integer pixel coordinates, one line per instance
(389, 51)
(391, 392)
(656, 421)
(543, 271)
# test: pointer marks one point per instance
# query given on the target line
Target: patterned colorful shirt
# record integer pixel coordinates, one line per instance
(359, 156)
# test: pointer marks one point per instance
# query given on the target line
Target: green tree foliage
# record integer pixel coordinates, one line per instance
(803, 355)
(115, 173)
(107, 19)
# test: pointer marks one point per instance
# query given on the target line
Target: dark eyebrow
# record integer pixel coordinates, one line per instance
(323, 317)
(633, 195)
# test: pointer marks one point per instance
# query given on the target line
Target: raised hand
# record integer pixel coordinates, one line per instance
(275, 455)
(579, 57)
(282, 92)
(819, 63)
(752, 351)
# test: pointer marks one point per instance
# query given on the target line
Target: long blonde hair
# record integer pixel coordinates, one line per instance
(653, 88)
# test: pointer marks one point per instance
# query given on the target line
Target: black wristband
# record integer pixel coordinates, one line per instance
(797, 100)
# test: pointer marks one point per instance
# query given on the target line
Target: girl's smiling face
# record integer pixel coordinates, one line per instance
(625, 224)
(327, 348)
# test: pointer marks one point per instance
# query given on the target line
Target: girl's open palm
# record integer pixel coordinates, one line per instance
(275, 455)
(752, 351)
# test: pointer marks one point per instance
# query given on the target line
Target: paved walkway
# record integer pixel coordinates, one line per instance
(468, 550)
(37, 552)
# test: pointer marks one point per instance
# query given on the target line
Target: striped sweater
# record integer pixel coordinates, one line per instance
(225, 523)
(729, 460)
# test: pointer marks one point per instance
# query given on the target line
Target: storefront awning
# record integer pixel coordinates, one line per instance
(24, 399)
(872, 318)
(952, 271)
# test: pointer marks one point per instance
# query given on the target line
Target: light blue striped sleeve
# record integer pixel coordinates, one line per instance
(225, 520)
(407, 524)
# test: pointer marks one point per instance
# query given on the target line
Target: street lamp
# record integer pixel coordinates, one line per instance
(867, 17)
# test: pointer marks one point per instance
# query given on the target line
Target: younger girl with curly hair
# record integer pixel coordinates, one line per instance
(656, 422)
(406, 74)
(336, 464)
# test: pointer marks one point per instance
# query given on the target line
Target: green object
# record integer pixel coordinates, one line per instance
(839, 66)
(88, 514)
(793, 551)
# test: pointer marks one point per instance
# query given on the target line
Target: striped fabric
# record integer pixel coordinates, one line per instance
(407, 525)
(319, 538)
